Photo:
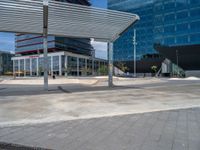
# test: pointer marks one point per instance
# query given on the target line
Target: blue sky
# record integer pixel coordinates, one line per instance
(99, 3)
(7, 40)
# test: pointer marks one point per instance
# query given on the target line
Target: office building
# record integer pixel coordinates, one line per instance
(167, 29)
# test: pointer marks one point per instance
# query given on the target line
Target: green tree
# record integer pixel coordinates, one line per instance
(103, 70)
(40, 69)
(86, 71)
(154, 69)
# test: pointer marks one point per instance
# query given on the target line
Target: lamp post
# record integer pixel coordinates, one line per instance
(134, 46)
(177, 63)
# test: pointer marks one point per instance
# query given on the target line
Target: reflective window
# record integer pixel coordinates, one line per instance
(182, 15)
(182, 39)
(182, 27)
(195, 38)
(195, 26)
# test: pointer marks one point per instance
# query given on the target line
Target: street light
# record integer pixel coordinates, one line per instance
(177, 61)
(134, 46)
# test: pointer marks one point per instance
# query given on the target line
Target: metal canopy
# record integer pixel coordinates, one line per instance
(65, 19)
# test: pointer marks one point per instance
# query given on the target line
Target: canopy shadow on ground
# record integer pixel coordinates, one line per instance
(24, 90)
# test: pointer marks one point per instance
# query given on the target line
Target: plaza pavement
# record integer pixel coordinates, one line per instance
(137, 114)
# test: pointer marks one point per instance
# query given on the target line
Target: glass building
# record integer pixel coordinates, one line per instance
(60, 63)
(27, 44)
(166, 26)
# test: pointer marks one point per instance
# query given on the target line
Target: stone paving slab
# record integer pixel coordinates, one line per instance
(164, 130)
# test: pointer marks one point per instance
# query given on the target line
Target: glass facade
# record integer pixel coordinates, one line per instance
(27, 44)
(164, 22)
(60, 63)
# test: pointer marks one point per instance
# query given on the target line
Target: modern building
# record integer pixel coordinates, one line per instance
(167, 28)
(60, 63)
(5, 62)
(64, 53)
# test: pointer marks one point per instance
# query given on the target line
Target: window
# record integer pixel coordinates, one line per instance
(195, 26)
(169, 41)
(195, 13)
(169, 5)
(158, 20)
(169, 29)
(158, 7)
(182, 15)
(195, 38)
(182, 27)
(182, 39)
(194, 2)
(169, 17)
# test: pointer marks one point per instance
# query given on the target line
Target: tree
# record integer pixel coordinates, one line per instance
(40, 69)
(154, 69)
(86, 70)
(103, 70)
(67, 70)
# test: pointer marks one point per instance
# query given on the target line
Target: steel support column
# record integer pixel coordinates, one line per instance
(14, 69)
(110, 64)
(60, 65)
(19, 67)
(51, 65)
(45, 42)
(37, 64)
(31, 69)
(66, 65)
(78, 68)
(24, 67)
(86, 67)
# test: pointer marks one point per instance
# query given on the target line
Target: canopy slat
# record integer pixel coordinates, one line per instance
(64, 19)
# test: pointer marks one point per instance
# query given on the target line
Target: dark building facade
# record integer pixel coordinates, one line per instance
(5, 62)
(167, 28)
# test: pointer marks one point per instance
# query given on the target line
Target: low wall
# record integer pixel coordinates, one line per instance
(194, 73)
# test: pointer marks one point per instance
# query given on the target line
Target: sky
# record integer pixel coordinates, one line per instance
(100, 47)
(7, 40)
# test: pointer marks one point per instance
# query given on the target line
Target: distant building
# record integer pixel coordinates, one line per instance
(5, 62)
(166, 28)
(74, 54)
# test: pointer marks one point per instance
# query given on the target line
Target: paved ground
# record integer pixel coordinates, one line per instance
(137, 114)
(165, 130)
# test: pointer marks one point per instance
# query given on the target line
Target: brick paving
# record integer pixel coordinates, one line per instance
(164, 130)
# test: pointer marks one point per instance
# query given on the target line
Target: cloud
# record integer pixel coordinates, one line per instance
(100, 49)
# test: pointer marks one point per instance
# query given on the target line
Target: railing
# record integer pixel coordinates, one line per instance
(177, 71)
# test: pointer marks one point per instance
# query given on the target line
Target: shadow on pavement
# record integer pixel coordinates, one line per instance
(22, 90)
(10, 146)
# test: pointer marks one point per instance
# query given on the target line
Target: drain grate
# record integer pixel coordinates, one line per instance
(10, 146)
